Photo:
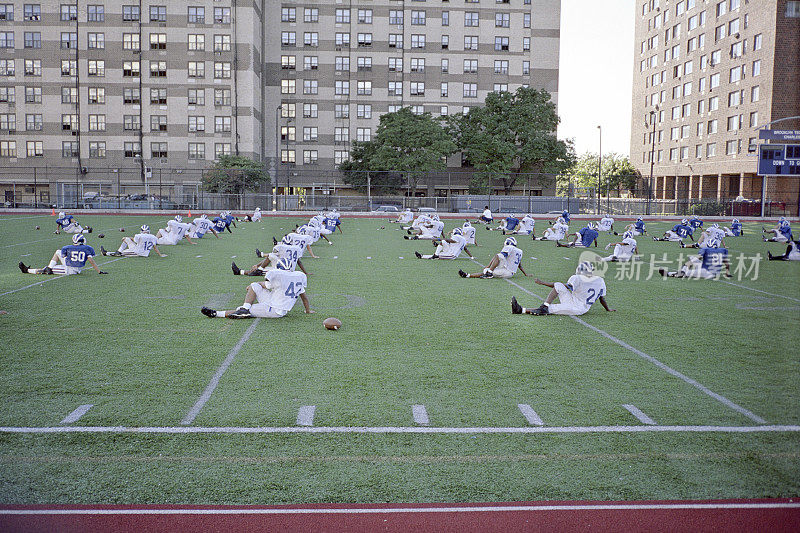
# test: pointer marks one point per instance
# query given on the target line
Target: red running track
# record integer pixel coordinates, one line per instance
(717, 515)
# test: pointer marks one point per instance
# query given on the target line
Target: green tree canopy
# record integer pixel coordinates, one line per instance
(403, 142)
(512, 132)
(233, 174)
(617, 173)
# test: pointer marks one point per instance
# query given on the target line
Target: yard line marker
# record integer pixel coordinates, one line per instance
(758, 290)
(420, 415)
(195, 410)
(405, 429)
(76, 414)
(530, 415)
(643, 418)
(305, 415)
(52, 278)
(752, 416)
(25, 255)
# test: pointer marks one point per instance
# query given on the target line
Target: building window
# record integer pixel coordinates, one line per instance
(197, 151)
(33, 39)
(288, 62)
(418, 18)
(526, 68)
(311, 38)
(287, 133)
(197, 42)
(502, 20)
(197, 15)
(471, 19)
(310, 86)
(158, 96)
(96, 68)
(222, 43)
(364, 88)
(130, 13)
(731, 147)
(158, 69)
(8, 122)
(97, 149)
(34, 149)
(395, 17)
(130, 69)
(32, 12)
(33, 122)
(341, 87)
(131, 96)
(501, 66)
(363, 134)
(69, 13)
(365, 16)
(96, 40)
(526, 20)
(197, 69)
(470, 66)
(8, 95)
(311, 14)
(158, 13)
(713, 103)
(310, 157)
(395, 88)
(310, 134)
(343, 63)
(364, 39)
(287, 156)
(470, 90)
(340, 156)
(444, 92)
(197, 123)
(364, 111)
(132, 149)
(395, 40)
(97, 95)
(158, 41)
(158, 150)
(69, 40)
(8, 148)
(33, 67)
(288, 14)
(69, 149)
(288, 110)
(222, 124)
(500, 88)
(310, 111)
(526, 44)
(711, 126)
(288, 86)
(341, 111)
(417, 88)
(222, 70)
(445, 66)
(222, 97)
(417, 41)
(714, 80)
(130, 41)
(342, 40)
(158, 122)
(756, 68)
(445, 42)
(757, 41)
(341, 135)
(445, 18)
(755, 93)
(417, 64)
(364, 63)
(288, 38)
(470, 42)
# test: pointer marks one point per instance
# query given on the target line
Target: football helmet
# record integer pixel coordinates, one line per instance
(435, 216)
(684, 222)
(284, 264)
(591, 225)
(78, 238)
(457, 231)
(314, 222)
(222, 215)
(565, 213)
(178, 218)
(467, 224)
(287, 240)
(714, 225)
(258, 209)
(713, 243)
(639, 219)
(782, 219)
(561, 220)
(61, 214)
(511, 241)
(736, 221)
(627, 235)
(145, 228)
(204, 216)
(585, 268)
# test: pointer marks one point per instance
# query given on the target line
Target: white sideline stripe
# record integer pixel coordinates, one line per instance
(400, 510)
(52, 238)
(305, 415)
(759, 290)
(195, 410)
(530, 415)
(24, 218)
(643, 418)
(53, 278)
(752, 416)
(420, 414)
(76, 414)
(405, 429)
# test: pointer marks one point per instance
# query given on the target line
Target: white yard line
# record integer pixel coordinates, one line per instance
(752, 416)
(305, 415)
(530, 415)
(94, 233)
(209, 390)
(759, 290)
(25, 218)
(643, 418)
(52, 278)
(403, 429)
(420, 415)
(75, 415)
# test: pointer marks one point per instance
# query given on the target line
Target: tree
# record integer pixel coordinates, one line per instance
(510, 133)
(404, 142)
(234, 174)
(617, 173)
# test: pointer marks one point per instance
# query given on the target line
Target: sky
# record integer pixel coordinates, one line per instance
(596, 74)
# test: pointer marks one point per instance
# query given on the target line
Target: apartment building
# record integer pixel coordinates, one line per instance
(708, 74)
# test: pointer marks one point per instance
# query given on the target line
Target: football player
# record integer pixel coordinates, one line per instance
(783, 231)
(219, 224)
(713, 233)
(282, 250)
(140, 245)
(175, 231)
(503, 265)
(735, 230)
(637, 228)
(448, 248)
(68, 224)
(588, 235)
(405, 217)
(255, 217)
(678, 232)
(526, 226)
(486, 217)
(792, 253)
(272, 298)
(68, 260)
(706, 265)
(623, 250)
(507, 225)
(556, 233)
(430, 231)
(468, 231)
(417, 223)
(200, 226)
(574, 298)
(695, 222)
(565, 216)
(606, 223)
(301, 240)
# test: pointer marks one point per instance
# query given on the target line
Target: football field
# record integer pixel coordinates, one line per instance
(116, 389)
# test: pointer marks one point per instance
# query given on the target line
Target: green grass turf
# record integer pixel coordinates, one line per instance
(134, 345)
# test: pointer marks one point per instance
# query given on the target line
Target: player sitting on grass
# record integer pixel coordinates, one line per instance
(417, 223)
(556, 233)
(782, 232)
(255, 217)
(430, 231)
(713, 233)
(507, 225)
(468, 231)
(735, 230)
(526, 225)
(575, 298)
(286, 249)
(229, 219)
(637, 228)
(678, 232)
(695, 222)
(565, 216)
(68, 224)
(219, 224)
(405, 217)
(314, 230)
(588, 235)
(330, 223)
(272, 298)
(503, 265)
(140, 245)
(174, 232)
(706, 265)
(792, 253)
(448, 248)
(486, 217)
(623, 250)
(72, 259)
(606, 223)
(303, 241)
(200, 226)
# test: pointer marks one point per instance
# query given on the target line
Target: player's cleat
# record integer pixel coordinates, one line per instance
(541, 310)
(654, 238)
(419, 255)
(515, 307)
(236, 269)
(435, 256)
(487, 227)
(769, 254)
(47, 270)
(274, 241)
(103, 251)
(89, 229)
(486, 275)
(408, 231)
(23, 267)
(663, 272)
(462, 273)
(258, 253)
(210, 313)
(241, 312)
(682, 245)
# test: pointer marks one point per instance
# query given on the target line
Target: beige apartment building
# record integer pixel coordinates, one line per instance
(708, 75)
(119, 90)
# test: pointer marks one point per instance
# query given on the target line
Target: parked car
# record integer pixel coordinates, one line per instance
(426, 210)
(387, 209)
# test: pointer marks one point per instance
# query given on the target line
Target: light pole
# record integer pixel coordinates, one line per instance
(652, 158)
(277, 159)
(599, 167)
(286, 190)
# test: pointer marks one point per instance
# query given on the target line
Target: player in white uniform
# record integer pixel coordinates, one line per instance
(448, 248)
(712, 233)
(623, 250)
(792, 253)
(556, 233)
(468, 231)
(303, 241)
(430, 231)
(575, 298)
(606, 223)
(272, 298)
(526, 225)
(503, 265)
(417, 223)
(486, 217)
(139, 246)
(200, 226)
(405, 217)
(174, 232)
(314, 230)
(283, 250)
(256, 216)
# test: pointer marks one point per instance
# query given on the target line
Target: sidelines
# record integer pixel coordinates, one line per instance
(659, 364)
(403, 429)
(53, 278)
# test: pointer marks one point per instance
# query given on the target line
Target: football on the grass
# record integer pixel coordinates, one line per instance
(332, 323)
(37, 227)
(101, 235)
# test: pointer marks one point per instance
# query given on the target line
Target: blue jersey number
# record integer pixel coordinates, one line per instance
(293, 290)
(593, 296)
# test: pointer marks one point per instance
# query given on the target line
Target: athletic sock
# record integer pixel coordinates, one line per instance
(51, 264)
(220, 314)
(247, 305)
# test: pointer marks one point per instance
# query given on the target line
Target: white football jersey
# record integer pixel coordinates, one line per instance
(144, 243)
(606, 223)
(200, 227)
(560, 230)
(289, 252)
(631, 245)
(301, 240)
(586, 289)
(285, 287)
(526, 224)
(469, 234)
(511, 256)
(453, 249)
(405, 217)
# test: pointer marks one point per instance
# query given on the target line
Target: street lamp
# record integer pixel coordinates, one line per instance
(277, 160)
(599, 167)
(652, 158)
(286, 190)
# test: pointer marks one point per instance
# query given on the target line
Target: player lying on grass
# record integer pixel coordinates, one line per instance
(706, 265)
(606, 223)
(68, 260)
(255, 217)
(175, 231)
(503, 265)
(637, 228)
(283, 250)
(140, 245)
(587, 235)
(526, 225)
(735, 230)
(624, 250)
(430, 231)
(556, 233)
(417, 223)
(792, 253)
(713, 233)
(200, 226)
(272, 298)
(448, 248)
(782, 232)
(508, 224)
(405, 217)
(68, 224)
(574, 298)
(678, 232)
(486, 217)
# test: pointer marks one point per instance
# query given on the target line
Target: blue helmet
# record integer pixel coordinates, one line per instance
(145, 228)
(178, 218)
(78, 238)
(284, 264)
(511, 241)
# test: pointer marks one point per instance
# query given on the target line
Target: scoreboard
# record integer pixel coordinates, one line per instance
(779, 160)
